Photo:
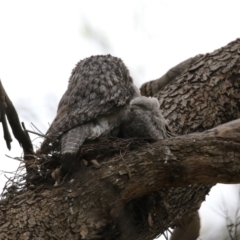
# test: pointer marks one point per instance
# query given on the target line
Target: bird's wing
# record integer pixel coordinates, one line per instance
(91, 93)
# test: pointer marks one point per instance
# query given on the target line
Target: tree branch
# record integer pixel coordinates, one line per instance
(7, 108)
(153, 87)
(179, 161)
(209, 157)
(138, 194)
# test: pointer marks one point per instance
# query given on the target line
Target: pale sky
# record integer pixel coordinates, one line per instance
(41, 41)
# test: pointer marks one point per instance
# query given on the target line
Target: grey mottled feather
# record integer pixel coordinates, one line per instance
(144, 119)
(100, 86)
(108, 125)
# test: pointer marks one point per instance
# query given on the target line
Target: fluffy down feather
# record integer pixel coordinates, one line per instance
(144, 119)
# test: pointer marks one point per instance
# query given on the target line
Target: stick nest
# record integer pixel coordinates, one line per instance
(42, 164)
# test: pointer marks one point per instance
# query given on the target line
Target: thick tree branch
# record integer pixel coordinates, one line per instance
(180, 161)
(136, 194)
(209, 157)
(153, 87)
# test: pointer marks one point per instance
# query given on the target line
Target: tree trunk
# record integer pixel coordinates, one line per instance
(142, 188)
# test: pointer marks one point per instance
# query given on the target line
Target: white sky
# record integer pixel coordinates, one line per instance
(41, 41)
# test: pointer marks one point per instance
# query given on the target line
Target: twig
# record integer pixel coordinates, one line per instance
(40, 135)
(16, 158)
(10, 180)
(36, 128)
(6, 172)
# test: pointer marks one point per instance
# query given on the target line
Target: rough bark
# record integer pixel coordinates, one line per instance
(153, 87)
(138, 194)
(205, 95)
(86, 207)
